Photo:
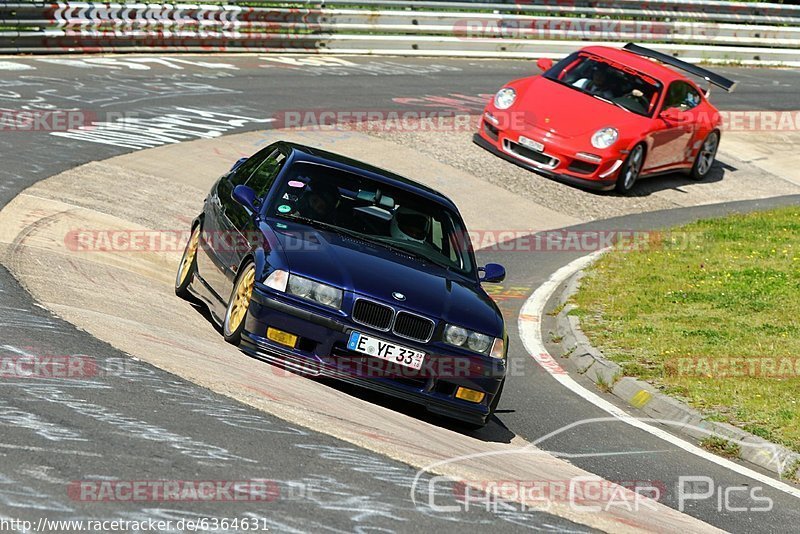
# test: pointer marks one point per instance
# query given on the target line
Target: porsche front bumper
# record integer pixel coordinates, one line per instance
(556, 160)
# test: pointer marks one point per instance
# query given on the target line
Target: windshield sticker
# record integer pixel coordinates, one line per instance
(295, 183)
(289, 197)
(284, 208)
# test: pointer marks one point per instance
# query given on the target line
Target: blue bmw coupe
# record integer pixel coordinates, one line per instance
(330, 266)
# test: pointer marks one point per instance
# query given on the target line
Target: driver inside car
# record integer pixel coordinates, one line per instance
(319, 203)
(598, 84)
(410, 225)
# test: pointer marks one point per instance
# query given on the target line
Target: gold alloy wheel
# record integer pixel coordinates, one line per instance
(241, 300)
(189, 255)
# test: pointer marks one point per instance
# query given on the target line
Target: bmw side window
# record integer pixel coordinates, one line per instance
(237, 177)
(245, 170)
(263, 177)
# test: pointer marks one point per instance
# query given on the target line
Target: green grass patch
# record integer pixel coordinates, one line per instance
(792, 470)
(710, 314)
(721, 446)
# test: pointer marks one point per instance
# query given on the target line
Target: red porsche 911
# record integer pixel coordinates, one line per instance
(604, 117)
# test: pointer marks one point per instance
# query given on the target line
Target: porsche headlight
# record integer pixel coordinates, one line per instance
(474, 341)
(505, 98)
(605, 137)
(311, 290)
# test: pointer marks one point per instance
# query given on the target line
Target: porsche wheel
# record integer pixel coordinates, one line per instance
(705, 158)
(239, 303)
(188, 265)
(630, 170)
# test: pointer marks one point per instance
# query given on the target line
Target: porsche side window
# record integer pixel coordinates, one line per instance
(681, 95)
(563, 68)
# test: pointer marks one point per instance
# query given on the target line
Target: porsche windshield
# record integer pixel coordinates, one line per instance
(611, 82)
(348, 203)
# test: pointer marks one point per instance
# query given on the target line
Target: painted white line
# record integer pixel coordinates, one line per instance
(30, 448)
(13, 65)
(531, 334)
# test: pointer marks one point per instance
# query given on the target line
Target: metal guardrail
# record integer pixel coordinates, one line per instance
(695, 30)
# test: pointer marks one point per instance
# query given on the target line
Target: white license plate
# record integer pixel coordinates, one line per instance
(385, 350)
(530, 143)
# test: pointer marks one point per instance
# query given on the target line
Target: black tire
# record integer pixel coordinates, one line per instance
(239, 304)
(705, 157)
(188, 265)
(630, 170)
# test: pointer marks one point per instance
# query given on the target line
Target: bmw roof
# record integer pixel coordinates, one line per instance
(337, 161)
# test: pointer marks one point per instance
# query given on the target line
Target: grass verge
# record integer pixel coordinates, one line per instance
(709, 313)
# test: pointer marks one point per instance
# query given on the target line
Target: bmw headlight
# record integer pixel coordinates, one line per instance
(277, 280)
(605, 137)
(311, 290)
(327, 295)
(505, 98)
(479, 342)
(302, 287)
(474, 341)
(455, 335)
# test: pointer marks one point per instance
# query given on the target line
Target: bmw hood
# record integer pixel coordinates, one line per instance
(375, 272)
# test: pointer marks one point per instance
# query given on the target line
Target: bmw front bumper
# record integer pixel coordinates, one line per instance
(321, 350)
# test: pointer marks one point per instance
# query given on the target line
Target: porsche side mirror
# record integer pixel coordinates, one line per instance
(246, 197)
(544, 63)
(492, 273)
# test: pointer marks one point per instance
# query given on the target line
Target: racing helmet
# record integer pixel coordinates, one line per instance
(410, 225)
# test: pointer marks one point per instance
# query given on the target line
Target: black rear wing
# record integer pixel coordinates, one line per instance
(707, 75)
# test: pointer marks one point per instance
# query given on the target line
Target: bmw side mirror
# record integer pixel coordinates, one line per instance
(246, 197)
(544, 63)
(238, 164)
(492, 273)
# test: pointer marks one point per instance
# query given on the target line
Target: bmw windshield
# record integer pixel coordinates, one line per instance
(328, 198)
(608, 81)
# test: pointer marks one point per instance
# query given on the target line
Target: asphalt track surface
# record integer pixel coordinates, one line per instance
(145, 424)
